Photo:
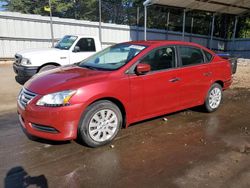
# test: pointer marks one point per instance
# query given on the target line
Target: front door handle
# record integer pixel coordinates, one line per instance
(207, 74)
(174, 80)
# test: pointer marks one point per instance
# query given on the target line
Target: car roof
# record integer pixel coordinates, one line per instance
(82, 36)
(164, 42)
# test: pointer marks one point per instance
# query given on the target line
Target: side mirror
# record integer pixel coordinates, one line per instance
(76, 49)
(142, 68)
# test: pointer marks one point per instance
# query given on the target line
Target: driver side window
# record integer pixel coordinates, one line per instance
(160, 58)
(86, 45)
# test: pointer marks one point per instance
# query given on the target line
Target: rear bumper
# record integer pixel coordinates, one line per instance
(23, 71)
(52, 123)
(232, 60)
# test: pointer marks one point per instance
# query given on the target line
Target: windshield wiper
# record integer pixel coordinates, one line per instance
(88, 67)
(77, 63)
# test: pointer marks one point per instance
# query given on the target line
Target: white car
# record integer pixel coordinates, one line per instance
(69, 50)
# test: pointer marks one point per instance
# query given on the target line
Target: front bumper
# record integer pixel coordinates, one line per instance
(24, 71)
(52, 123)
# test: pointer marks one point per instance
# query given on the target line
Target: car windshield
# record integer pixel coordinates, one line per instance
(66, 42)
(113, 57)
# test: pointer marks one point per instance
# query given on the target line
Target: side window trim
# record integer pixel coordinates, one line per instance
(189, 46)
(204, 56)
(162, 70)
(131, 69)
(206, 60)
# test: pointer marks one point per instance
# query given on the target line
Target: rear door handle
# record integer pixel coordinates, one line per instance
(174, 80)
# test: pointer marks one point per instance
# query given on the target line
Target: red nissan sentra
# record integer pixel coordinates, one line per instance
(120, 85)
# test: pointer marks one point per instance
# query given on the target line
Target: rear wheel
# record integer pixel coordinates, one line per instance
(47, 67)
(214, 98)
(100, 123)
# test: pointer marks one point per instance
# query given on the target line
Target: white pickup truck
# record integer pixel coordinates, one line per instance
(69, 50)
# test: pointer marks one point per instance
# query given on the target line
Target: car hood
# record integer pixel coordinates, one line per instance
(30, 53)
(64, 78)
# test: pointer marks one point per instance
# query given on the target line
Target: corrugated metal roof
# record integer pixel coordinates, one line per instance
(235, 7)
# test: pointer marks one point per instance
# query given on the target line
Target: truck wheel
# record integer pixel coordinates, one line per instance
(100, 123)
(214, 98)
(47, 67)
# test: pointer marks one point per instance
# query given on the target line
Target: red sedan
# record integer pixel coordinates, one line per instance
(120, 85)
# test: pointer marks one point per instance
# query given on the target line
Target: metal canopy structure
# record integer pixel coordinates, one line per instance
(233, 7)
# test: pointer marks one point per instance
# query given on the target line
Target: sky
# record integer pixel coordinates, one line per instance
(1, 6)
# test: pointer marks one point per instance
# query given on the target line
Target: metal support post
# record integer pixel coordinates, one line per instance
(183, 24)
(100, 21)
(145, 22)
(212, 33)
(137, 23)
(234, 33)
(51, 24)
(191, 30)
(168, 15)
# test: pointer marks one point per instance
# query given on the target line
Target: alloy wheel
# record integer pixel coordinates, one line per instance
(103, 125)
(215, 98)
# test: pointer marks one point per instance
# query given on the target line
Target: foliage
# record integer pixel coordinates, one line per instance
(125, 12)
(59, 7)
(244, 28)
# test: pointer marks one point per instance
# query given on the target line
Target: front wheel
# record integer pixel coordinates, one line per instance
(100, 123)
(214, 98)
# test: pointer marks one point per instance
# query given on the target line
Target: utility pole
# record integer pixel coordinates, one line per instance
(137, 23)
(51, 24)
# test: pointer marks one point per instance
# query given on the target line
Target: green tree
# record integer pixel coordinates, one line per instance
(59, 7)
(85, 10)
(125, 12)
(243, 28)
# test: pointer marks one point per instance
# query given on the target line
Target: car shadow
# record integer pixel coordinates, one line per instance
(17, 177)
(43, 141)
(50, 142)
(198, 109)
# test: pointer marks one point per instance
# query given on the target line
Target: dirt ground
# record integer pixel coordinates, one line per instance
(242, 78)
(191, 149)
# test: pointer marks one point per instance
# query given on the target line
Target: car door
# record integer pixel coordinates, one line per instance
(195, 76)
(157, 91)
(84, 48)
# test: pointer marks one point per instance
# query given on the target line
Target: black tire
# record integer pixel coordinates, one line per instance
(88, 115)
(208, 107)
(47, 67)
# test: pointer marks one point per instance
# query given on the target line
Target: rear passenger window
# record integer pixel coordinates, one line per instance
(161, 58)
(190, 55)
(86, 45)
(208, 56)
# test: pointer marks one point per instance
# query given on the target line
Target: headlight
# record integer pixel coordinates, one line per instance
(56, 99)
(25, 61)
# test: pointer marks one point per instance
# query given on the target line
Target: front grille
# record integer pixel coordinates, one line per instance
(18, 58)
(25, 97)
